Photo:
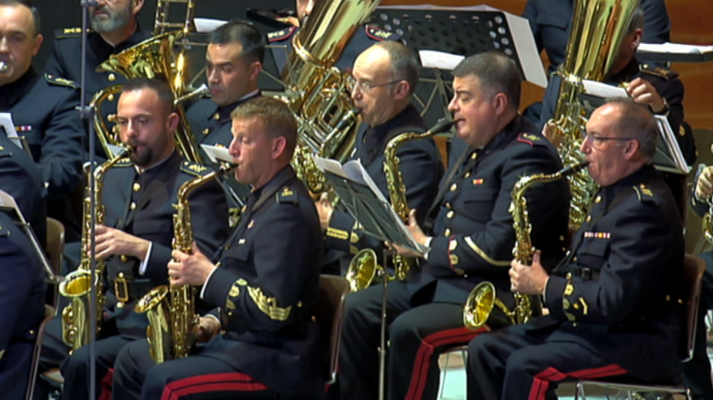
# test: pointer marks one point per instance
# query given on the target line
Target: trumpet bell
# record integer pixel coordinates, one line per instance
(362, 270)
(479, 305)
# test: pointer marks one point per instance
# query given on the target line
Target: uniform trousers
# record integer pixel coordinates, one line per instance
(417, 334)
(513, 363)
(197, 376)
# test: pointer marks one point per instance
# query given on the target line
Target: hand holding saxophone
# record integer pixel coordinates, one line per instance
(704, 184)
(528, 279)
(643, 92)
(110, 242)
(189, 269)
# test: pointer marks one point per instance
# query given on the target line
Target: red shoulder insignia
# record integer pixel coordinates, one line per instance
(281, 35)
(376, 33)
(529, 138)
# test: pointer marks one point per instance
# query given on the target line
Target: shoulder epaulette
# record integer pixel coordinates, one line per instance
(281, 35)
(61, 81)
(645, 194)
(68, 33)
(379, 34)
(661, 72)
(286, 195)
(532, 140)
(194, 168)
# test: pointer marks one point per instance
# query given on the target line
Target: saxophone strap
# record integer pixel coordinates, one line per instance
(458, 168)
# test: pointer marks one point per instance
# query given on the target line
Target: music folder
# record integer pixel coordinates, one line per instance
(364, 201)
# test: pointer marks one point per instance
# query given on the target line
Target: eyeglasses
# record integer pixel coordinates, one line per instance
(366, 87)
(592, 138)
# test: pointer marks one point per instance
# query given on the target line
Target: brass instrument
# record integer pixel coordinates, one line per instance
(363, 267)
(318, 93)
(597, 30)
(77, 285)
(483, 297)
(171, 311)
(3, 67)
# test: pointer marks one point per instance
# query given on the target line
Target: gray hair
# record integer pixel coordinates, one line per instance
(403, 62)
(636, 122)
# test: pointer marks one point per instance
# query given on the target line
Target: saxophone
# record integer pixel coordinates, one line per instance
(598, 28)
(77, 285)
(363, 267)
(483, 298)
(171, 310)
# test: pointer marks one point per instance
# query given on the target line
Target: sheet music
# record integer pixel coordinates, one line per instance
(216, 153)
(668, 153)
(439, 59)
(9, 127)
(207, 25)
(7, 202)
(603, 90)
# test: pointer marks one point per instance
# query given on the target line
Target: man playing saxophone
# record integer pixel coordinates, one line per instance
(264, 278)
(471, 240)
(385, 76)
(136, 236)
(613, 301)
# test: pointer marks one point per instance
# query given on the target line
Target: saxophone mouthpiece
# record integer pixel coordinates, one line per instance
(573, 169)
(442, 125)
(347, 120)
(4, 67)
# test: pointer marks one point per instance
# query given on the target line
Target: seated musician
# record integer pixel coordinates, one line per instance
(135, 240)
(385, 76)
(266, 284)
(471, 240)
(612, 300)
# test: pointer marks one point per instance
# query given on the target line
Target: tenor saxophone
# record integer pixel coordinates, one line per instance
(171, 310)
(483, 297)
(363, 267)
(77, 285)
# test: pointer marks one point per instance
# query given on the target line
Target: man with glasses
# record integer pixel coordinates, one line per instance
(471, 240)
(614, 300)
(384, 78)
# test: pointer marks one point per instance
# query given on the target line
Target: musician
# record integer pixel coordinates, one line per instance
(42, 108)
(266, 284)
(21, 306)
(385, 76)
(135, 239)
(470, 242)
(654, 86)
(612, 300)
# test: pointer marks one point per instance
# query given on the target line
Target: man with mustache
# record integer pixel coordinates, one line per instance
(136, 237)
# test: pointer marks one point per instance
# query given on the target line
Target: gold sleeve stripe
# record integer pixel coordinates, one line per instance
(337, 234)
(482, 254)
(268, 305)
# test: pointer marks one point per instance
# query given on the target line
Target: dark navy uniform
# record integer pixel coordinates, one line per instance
(267, 286)
(281, 46)
(613, 303)
(22, 299)
(551, 22)
(44, 111)
(473, 240)
(142, 205)
(22, 179)
(420, 166)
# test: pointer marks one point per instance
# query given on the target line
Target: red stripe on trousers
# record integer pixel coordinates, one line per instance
(542, 380)
(211, 383)
(425, 351)
(106, 385)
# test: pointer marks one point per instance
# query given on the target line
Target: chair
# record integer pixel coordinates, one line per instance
(49, 313)
(329, 312)
(54, 250)
(693, 268)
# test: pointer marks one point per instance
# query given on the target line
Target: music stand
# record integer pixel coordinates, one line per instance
(673, 52)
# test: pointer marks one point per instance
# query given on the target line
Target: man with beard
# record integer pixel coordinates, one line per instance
(135, 239)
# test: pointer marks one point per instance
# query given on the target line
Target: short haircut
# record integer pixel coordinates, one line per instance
(35, 14)
(636, 122)
(496, 73)
(276, 117)
(236, 31)
(164, 92)
(403, 62)
(637, 20)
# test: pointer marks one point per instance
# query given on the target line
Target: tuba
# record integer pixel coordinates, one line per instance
(318, 92)
(363, 267)
(171, 311)
(77, 285)
(597, 31)
(483, 297)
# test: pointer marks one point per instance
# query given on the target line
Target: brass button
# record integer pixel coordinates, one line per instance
(450, 214)
(589, 218)
(467, 175)
(132, 206)
(448, 206)
(473, 156)
(111, 77)
(465, 275)
(574, 259)
(447, 232)
(561, 238)
(454, 187)
(216, 116)
(576, 306)
(137, 186)
(120, 304)
(124, 259)
(110, 97)
(569, 275)
(598, 199)
(32, 332)
(206, 131)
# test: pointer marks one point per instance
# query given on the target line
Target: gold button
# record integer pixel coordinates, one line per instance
(450, 214)
(132, 206)
(574, 259)
(121, 274)
(576, 306)
(598, 199)
(137, 186)
(454, 187)
(111, 77)
(447, 232)
(589, 218)
(569, 275)
(216, 116)
(123, 259)
(561, 238)
(206, 131)
(448, 206)
(110, 97)
(472, 156)
(32, 332)
(467, 175)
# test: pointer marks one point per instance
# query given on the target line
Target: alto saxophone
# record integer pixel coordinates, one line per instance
(171, 310)
(483, 298)
(77, 285)
(363, 267)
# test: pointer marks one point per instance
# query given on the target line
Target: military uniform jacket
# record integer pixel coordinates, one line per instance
(44, 112)
(473, 234)
(266, 284)
(616, 292)
(142, 205)
(22, 298)
(420, 167)
(551, 23)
